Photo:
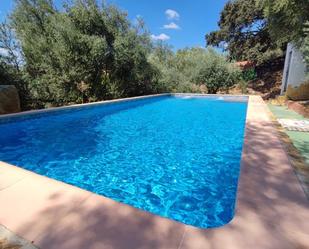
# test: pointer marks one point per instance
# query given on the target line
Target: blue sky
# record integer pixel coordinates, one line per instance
(181, 23)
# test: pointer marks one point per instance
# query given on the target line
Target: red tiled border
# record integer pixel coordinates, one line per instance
(272, 210)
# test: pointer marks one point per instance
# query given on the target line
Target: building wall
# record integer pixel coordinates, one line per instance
(294, 73)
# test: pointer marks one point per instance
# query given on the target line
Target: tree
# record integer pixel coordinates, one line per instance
(288, 22)
(89, 52)
(11, 63)
(189, 69)
(244, 32)
(305, 44)
(10, 52)
(286, 19)
(169, 77)
(215, 72)
(85, 44)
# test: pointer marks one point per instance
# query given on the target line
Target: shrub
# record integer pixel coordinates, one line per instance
(249, 74)
(243, 85)
(217, 75)
(189, 69)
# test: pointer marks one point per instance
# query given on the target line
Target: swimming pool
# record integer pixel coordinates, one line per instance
(175, 156)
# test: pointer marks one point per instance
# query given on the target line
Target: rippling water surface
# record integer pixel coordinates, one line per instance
(178, 157)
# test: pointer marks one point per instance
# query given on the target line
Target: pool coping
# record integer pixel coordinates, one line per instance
(271, 212)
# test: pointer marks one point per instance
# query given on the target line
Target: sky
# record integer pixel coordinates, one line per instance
(180, 23)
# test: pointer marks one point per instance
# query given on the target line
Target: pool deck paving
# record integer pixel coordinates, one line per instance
(272, 209)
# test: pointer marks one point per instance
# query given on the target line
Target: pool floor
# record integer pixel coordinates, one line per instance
(178, 157)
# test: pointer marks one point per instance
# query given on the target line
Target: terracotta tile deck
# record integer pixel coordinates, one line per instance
(272, 210)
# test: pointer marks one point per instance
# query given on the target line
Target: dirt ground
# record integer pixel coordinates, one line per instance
(268, 81)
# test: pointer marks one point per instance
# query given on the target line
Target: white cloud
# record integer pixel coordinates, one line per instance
(161, 37)
(171, 25)
(172, 14)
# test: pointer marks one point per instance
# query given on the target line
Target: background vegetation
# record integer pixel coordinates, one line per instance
(193, 69)
(259, 30)
(89, 52)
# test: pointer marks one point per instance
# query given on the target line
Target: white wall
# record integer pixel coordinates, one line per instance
(294, 73)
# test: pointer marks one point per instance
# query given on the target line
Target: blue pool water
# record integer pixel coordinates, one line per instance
(178, 157)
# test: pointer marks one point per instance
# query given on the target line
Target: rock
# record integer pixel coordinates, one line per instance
(9, 99)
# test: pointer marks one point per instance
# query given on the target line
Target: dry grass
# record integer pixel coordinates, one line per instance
(280, 100)
(267, 85)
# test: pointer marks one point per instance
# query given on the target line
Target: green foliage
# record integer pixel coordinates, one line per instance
(11, 61)
(288, 22)
(89, 52)
(84, 44)
(188, 69)
(244, 32)
(249, 74)
(243, 85)
(286, 19)
(10, 52)
(305, 45)
(216, 73)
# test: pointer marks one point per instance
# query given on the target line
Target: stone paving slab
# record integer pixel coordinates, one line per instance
(24, 202)
(294, 124)
(101, 223)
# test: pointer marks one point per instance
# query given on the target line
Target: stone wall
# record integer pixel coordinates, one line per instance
(9, 99)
